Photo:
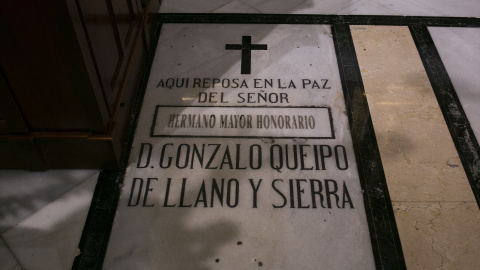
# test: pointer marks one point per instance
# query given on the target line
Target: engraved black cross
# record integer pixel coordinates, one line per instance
(246, 48)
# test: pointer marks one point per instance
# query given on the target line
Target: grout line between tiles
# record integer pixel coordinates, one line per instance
(49, 203)
(259, 11)
(226, 4)
(12, 253)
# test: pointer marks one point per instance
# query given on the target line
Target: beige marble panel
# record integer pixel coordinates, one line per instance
(420, 159)
(437, 216)
(439, 235)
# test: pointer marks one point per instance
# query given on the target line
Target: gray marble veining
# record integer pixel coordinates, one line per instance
(22, 193)
(459, 49)
(48, 239)
(460, 8)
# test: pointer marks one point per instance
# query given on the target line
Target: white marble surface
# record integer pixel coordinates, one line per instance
(459, 8)
(459, 49)
(49, 238)
(243, 234)
(22, 193)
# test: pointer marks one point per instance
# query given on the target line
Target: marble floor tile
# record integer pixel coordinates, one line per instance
(418, 154)
(299, 6)
(439, 235)
(460, 8)
(459, 49)
(238, 6)
(22, 193)
(188, 6)
(7, 260)
(49, 238)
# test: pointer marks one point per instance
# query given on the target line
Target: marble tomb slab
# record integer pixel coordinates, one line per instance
(279, 190)
(434, 205)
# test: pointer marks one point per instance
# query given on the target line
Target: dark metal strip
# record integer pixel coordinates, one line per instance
(384, 236)
(98, 226)
(457, 122)
(316, 19)
(96, 233)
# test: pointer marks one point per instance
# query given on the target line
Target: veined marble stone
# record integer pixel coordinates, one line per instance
(242, 156)
(460, 52)
(436, 212)
(459, 8)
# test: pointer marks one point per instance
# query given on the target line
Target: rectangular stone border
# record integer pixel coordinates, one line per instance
(383, 232)
(226, 18)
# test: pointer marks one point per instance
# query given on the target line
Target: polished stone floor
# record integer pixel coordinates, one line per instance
(435, 209)
(462, 8)
(42, 213)
(42, 216)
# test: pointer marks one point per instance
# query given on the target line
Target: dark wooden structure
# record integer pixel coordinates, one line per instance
(69, 73)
